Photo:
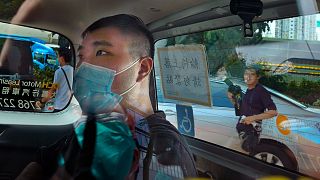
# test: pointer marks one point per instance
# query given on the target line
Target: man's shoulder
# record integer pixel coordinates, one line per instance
(260, 88)
(67, 67)
(58, 71)
(157, 116)
(158, 120)
(153, 118)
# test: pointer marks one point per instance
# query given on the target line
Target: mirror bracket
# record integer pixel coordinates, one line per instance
(246, 10)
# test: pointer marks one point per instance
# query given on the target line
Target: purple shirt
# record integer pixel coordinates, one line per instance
(256, 101)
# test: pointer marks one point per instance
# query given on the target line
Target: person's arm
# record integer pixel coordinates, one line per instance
(266, 115)
(51, 91)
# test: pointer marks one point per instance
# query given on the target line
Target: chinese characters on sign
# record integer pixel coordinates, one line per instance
(184, 73)
(19, 94)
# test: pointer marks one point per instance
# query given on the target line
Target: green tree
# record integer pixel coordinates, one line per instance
(221, 46)
(306, 91)
(45, 75)
(276, 82)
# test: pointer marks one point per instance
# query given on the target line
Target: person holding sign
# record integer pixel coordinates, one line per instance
(255, 105)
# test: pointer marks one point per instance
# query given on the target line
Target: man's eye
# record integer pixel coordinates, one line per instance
(101, 53)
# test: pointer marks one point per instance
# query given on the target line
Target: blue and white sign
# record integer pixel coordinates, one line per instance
(185, 119)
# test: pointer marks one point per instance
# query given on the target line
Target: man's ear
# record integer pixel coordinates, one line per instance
(146, 66)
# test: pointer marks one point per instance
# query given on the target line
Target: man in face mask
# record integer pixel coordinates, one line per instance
(112, 75)
(115, 63)
(119, 52)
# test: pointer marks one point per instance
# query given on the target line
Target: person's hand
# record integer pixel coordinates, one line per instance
(51, 93)
(231, 97)
(248, 120)
(39, 105)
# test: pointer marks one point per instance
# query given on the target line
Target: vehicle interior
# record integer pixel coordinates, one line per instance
(174, 21)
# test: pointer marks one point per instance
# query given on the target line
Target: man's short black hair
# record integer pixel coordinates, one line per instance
(66, 54)
(256, 67)
(142, 44)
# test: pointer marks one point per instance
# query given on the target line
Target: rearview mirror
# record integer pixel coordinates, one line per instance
(28, 61)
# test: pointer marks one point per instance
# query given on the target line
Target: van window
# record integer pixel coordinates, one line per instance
(290, 62)
(27, 69)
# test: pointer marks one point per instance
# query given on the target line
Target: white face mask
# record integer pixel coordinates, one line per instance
(92, 88)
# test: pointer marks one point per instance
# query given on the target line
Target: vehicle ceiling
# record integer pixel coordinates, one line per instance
(71, 17)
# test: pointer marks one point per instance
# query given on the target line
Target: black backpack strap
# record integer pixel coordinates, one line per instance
(71, 155)
(87, 151)
(65, 75)
(169, 146)
(147, 160)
